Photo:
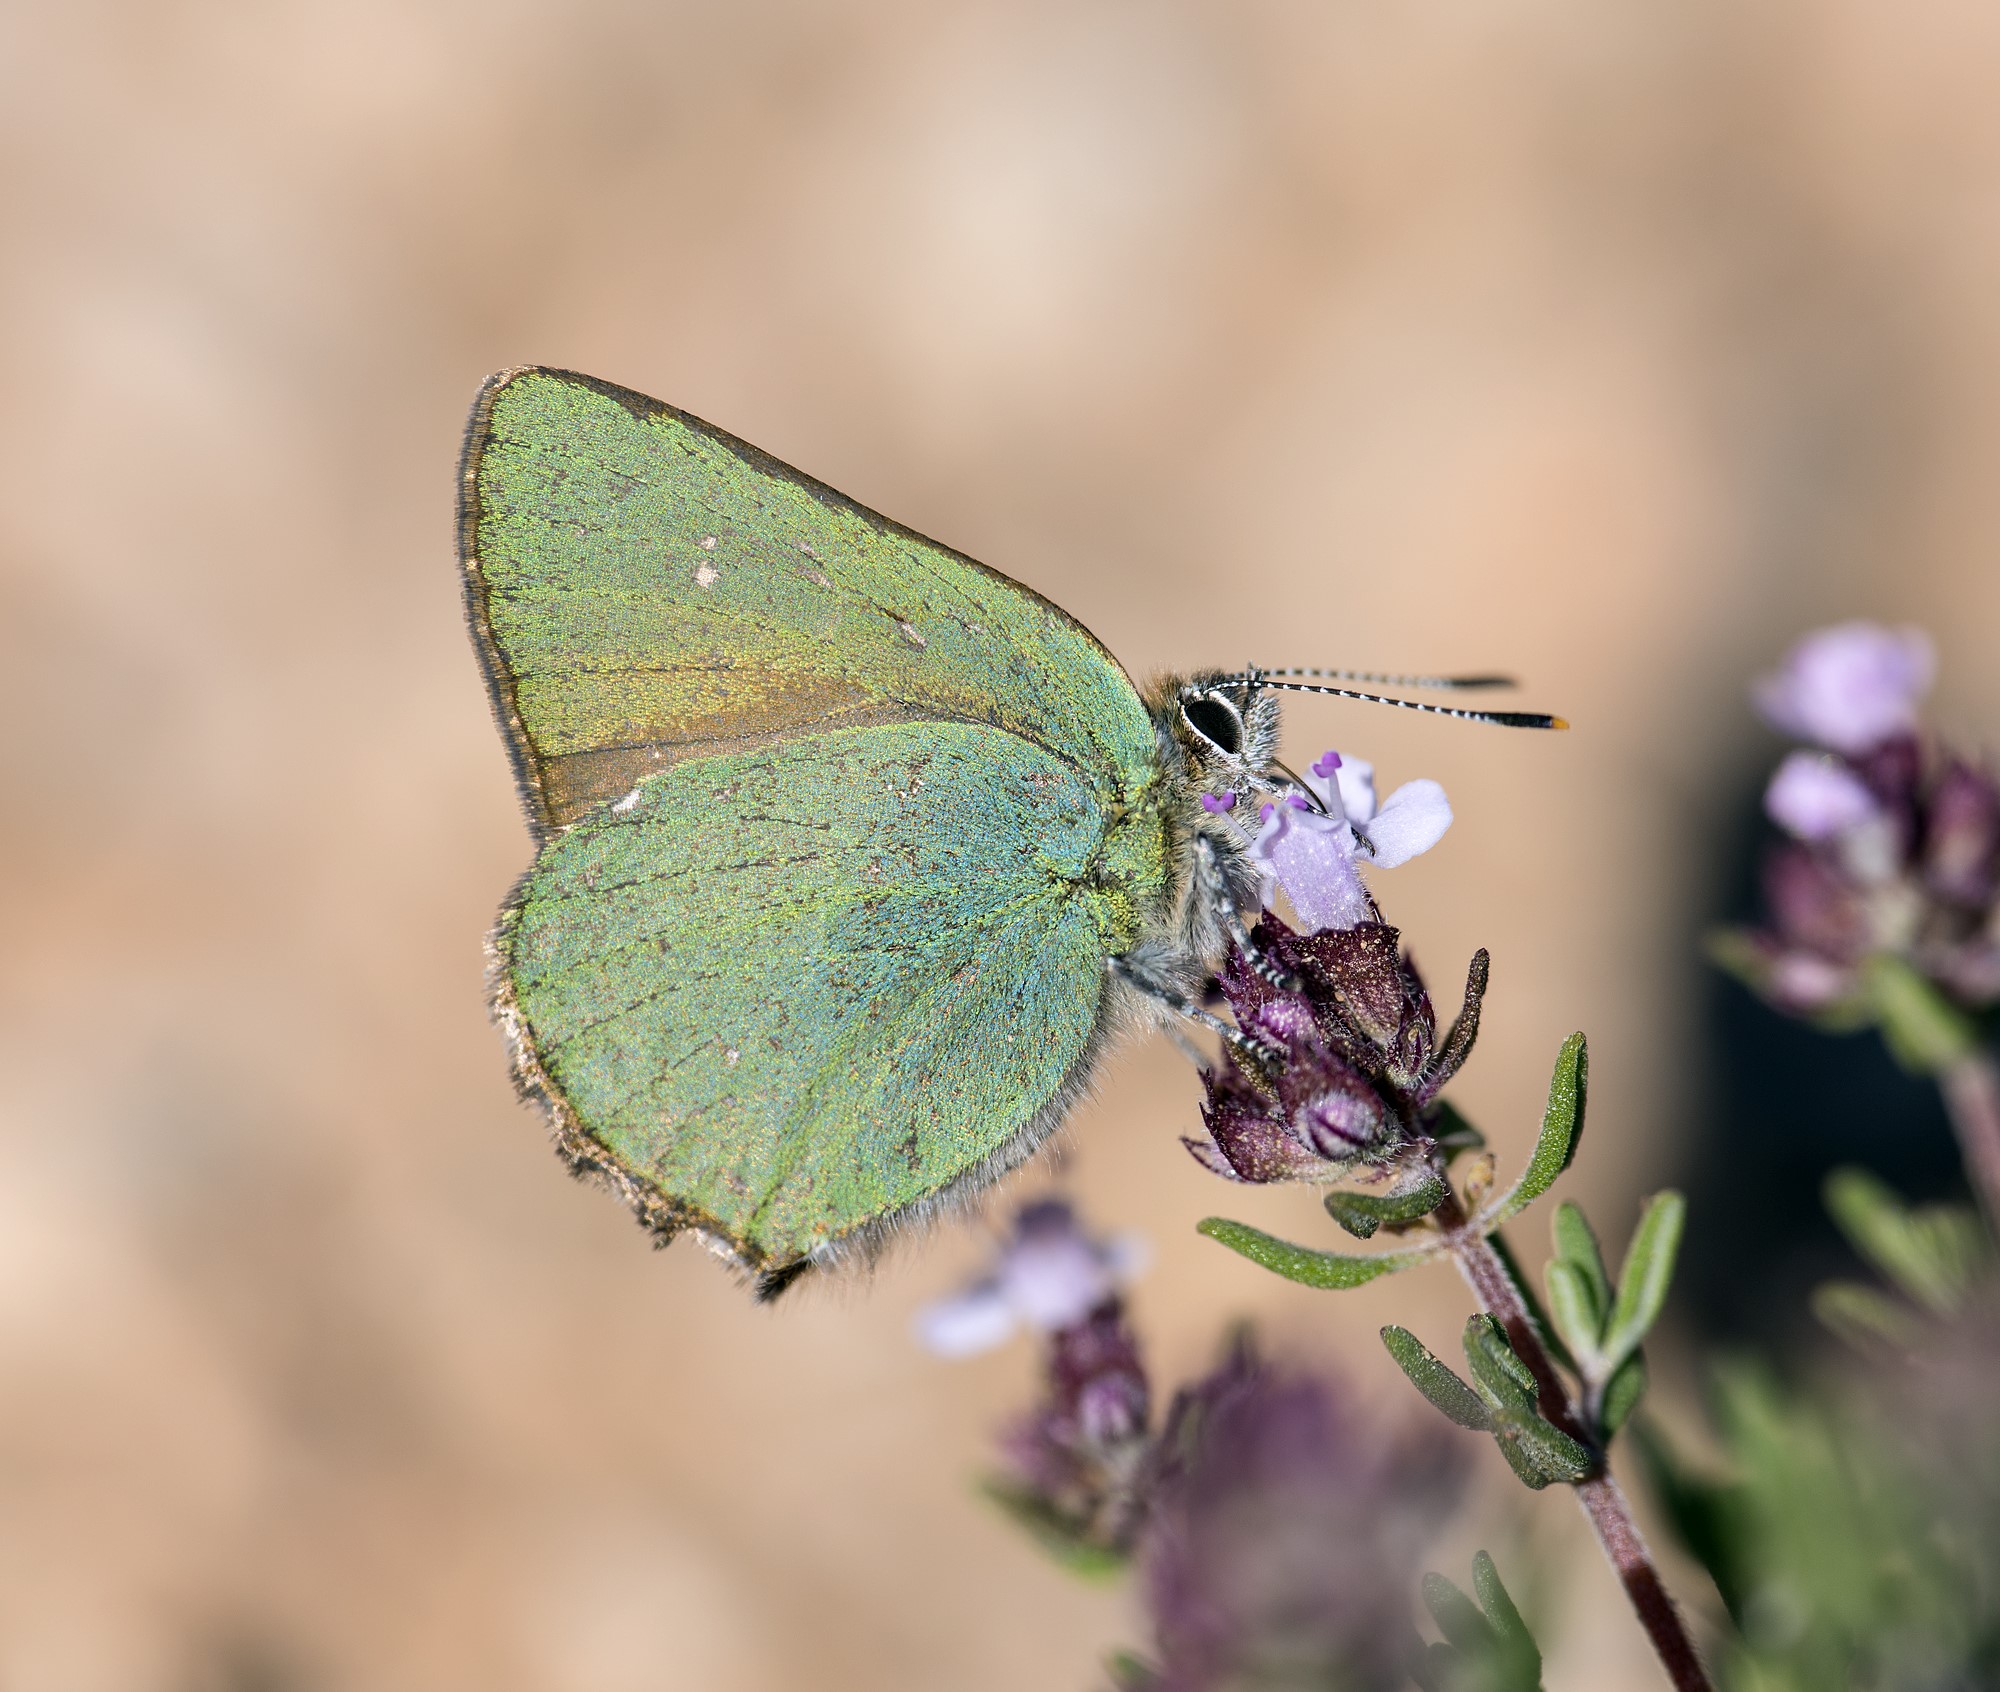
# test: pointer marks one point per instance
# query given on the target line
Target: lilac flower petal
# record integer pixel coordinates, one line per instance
(1314, 860)
(970, 1322)
(1814, 797)
(1052, 1281)
(1049, 1276)
(1849, 687)
(1413, 821)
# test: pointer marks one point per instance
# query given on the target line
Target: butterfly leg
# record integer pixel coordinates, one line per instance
(1142, 980)
(1222, 906)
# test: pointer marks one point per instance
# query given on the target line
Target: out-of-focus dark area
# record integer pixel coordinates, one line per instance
(1787, 1104)
(1614, 346)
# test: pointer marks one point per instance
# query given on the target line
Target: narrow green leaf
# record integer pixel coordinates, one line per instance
(1562, 1128)
(1504, 1381)
(1644, 1277)
(1863, 1316)
(1573, 1304)
(1327, 1269)
(1500, 1611)
(1576, 1243)
(1622, 1394)
(1362, 1213)
(1540, 1449)
(1551, 1336)
(1487, 1648)
(1435, 1380)
(1922, 1028)
(1931, 1252)
(1457, 1617)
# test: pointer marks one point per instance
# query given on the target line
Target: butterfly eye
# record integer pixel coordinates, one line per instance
(1216, 720)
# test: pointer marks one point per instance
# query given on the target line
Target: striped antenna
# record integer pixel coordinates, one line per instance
(1505, 719)
(1375, 678)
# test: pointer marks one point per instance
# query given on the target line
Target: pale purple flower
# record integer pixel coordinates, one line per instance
(1050, 1276)
(1815, 797)
(1286, 1532)
(1362, 1056)
(1895, 840)
(1850, 687)
(1313, 853)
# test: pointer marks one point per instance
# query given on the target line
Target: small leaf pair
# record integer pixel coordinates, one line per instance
(1602, 1325)
(1930, 1253)
(1501, 1400)
(1486, 1646)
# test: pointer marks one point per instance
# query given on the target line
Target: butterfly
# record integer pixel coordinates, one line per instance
(853, 856)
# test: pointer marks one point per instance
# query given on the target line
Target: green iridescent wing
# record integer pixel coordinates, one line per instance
(646, 588)
(838, 826)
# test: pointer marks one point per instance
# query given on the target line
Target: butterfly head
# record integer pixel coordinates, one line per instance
(1224, 728)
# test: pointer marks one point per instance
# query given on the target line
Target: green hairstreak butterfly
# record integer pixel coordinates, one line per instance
(852, 854)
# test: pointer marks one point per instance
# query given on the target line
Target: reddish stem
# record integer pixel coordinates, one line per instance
(1599, 1495)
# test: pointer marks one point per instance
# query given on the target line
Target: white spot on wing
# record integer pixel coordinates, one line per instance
(626, 804)
(707, 575)
(911, 635)
(706, 543)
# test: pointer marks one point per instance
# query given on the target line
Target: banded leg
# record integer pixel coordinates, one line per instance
(1216, 890)
(1259, 1052)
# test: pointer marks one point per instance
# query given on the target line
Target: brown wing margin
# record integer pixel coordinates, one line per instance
(499, 675)
(492, 662)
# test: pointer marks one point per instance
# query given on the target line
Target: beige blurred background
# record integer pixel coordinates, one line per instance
(1611, 344)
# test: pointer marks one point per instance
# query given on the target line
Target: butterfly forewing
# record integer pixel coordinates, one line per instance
(645, 586)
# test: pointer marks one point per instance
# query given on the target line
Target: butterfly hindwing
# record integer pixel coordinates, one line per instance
(795, 991)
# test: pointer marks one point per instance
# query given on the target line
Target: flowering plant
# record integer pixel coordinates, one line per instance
(1244, 1505)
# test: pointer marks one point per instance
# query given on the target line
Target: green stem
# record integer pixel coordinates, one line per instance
(1599, 1495)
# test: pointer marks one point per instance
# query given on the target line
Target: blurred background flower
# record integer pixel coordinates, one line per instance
(1287, 1534)
(1050, 1275)
(1884, 904)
